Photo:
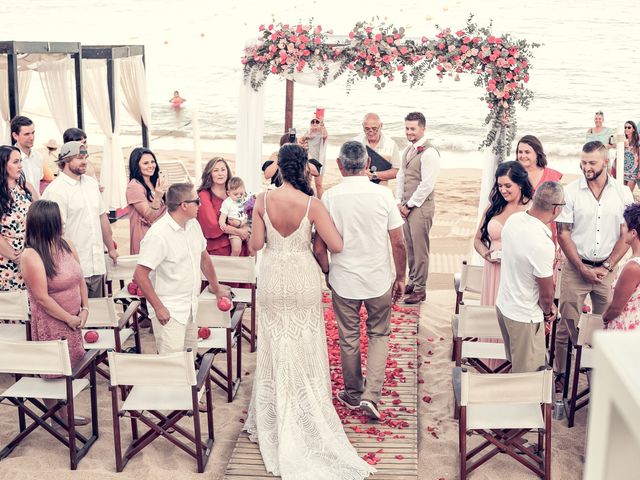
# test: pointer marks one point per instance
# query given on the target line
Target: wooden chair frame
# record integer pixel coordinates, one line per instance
(465, 281)
(577, 341)
(166, 425)
(37, 411)
(233, 335)
(507, 441)
(226, 273)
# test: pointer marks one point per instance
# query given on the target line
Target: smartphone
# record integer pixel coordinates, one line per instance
(163, 177)
(320, 113)
(292, 135)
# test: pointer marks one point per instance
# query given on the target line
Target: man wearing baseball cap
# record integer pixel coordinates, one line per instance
(83, 213)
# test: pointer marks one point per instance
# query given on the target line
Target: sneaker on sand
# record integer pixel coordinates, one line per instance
(371, 409)
(343, 398)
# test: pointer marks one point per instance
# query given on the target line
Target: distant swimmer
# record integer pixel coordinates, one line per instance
(177, 100)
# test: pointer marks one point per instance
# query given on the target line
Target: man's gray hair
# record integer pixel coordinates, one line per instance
(547, 196)
(353, 156)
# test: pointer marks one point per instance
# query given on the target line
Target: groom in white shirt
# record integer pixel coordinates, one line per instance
(366, 216)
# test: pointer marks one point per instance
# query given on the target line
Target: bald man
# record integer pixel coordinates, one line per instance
(376, 140)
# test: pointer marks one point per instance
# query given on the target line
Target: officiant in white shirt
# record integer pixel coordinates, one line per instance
(374, 138)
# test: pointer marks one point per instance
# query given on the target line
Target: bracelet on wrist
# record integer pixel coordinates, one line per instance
(84, 308)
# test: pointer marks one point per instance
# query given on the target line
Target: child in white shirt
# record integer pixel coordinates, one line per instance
(232, 212)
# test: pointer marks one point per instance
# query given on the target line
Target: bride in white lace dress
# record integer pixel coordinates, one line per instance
(291, 414)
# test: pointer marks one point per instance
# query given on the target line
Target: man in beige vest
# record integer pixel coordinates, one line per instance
(416, 181)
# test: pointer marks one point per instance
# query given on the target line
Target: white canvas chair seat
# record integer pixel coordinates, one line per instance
(13, 331)
(29, 361)
(217, 340)
(242, 295)
(496, 415)
(494, 351)
(240, 270)
(474, 322)
(156, 384)
(501, 408)
(107, 339)
(36, 387)
(159, 397)
(588, 358)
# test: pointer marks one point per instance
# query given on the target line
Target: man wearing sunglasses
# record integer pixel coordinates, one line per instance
(175, 249)
(375, 139)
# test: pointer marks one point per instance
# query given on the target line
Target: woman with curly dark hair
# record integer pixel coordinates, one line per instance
(291, 400)
(15, 198)
(511, 193)
(145, 195)
(631, 154)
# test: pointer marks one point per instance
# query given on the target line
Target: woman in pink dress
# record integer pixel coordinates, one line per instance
(623, 312)
(57, 291)
(145, 194)
(511, 193)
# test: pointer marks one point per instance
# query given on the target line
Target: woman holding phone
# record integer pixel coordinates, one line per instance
(145, 195)
(315, 141)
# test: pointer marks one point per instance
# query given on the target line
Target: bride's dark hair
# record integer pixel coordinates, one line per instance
(292, 163)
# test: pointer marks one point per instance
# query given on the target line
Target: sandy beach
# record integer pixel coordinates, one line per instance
(457, 193)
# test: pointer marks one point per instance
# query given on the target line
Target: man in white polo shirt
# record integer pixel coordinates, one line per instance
(84, 214)
(589, 234)
(175, 250)
(525, 295)
(367, 217)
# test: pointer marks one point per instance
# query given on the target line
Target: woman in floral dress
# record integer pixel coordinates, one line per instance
(15, 198)
(623, 312)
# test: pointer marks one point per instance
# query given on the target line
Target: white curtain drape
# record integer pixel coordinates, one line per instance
(96, 97)
(24, 82)
(249, 134)
(58, 84)
(134, 89)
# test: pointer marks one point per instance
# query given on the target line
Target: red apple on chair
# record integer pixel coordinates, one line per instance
(204, 333)
(586, 309)
(139, 292)
(132, 287)
(224, 304)
(91, 336)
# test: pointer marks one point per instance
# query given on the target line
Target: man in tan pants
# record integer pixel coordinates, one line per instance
(366, 216)
(416, 181)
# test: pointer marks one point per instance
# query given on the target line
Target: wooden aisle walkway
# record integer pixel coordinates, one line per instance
(392, 444)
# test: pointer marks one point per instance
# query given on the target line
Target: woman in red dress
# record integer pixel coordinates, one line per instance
(212, 192)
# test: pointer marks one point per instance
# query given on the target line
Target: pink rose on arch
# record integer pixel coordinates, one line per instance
(270, 26)
(403, 50)
(424, 39)
(390, 40)
(317, 40)
(299, 29)
(441, 46)
(261, 28)
(378, 37)
(466, 40)
(368, 29)
(274, 69)
(400, 68)
(352, 35)
(386, 58)
(367, 41)
(464, 49)
(318, 29)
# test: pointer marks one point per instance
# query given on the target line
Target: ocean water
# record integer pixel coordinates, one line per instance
(589, 61)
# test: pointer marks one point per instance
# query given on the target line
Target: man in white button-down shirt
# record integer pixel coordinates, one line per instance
(23, 133)
(589, 233)
(84, 214)
(415, 186)
(175, 250)
(367, 218)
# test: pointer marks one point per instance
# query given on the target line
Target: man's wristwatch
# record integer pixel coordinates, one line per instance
(607, 264)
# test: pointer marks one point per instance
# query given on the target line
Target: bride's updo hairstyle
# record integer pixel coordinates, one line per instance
(292, 163)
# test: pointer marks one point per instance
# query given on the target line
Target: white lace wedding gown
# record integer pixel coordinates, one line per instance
(291, 414)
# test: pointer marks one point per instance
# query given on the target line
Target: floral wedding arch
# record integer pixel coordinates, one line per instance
(500, 64)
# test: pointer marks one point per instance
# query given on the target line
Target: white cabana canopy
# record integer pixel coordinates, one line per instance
(102, 76)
